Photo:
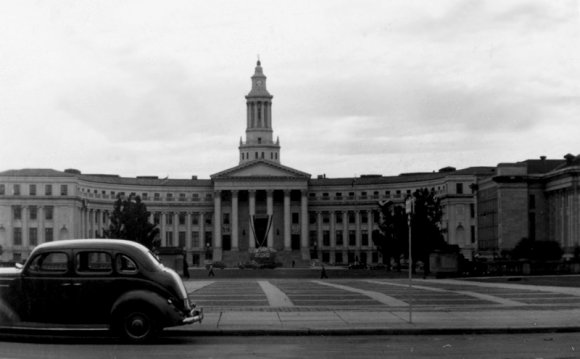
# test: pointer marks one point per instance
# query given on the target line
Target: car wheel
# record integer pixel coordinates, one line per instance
(137, 325)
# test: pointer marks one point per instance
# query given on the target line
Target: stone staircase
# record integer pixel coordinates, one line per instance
(232, 259)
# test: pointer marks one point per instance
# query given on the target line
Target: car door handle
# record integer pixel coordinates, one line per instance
(77, 284)
(65, 284)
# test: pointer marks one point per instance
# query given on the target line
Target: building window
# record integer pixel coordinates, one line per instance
(33, 212)
(181, 218)
(195, 239)
(459, 188)
(339, 217)
(338, 258)
(145, 196)
(182, 239)
(195, 219)
(472, 210)
(169, 239)
(49, 213)
(295, 218)
(2, 189)
(364, 217)
(326, 238)
(339, 239)
(532, 201)
(63, 190)
(156, 197)
(17, 236)
(351, 217)
(32, 190)
(169, 218)
(325, 217)
(352, 238)
(16, 190)
(48, 235)
(365, 238)
(311, 217)
(33, 236)
(226, 218)
(156, 218)
(17, 213)
(208, 219)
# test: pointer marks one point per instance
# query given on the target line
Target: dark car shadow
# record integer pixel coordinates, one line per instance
(81, 337)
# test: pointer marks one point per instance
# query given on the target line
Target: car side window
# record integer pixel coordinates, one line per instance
(49, 263)
(125, 265)
(96, 262)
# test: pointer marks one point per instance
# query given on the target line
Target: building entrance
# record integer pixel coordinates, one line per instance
(262, 225)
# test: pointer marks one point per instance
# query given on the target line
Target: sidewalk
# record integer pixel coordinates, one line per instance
(383, 322)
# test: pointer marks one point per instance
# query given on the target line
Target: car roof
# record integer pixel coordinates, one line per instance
(93, 243)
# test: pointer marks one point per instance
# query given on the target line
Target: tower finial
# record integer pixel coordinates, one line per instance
(259, 64)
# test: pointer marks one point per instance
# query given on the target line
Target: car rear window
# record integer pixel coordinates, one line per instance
(125, 265)
(93, 262)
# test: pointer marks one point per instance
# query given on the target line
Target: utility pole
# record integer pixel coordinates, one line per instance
(409, 209)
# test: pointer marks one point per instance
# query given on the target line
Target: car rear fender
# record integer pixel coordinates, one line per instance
(165, 313)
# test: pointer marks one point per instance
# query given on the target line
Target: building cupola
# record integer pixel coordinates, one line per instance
(259, 144)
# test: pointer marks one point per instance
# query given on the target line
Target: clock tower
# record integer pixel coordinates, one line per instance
(259, 143)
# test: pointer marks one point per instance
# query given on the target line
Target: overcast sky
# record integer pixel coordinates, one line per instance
(383, 87)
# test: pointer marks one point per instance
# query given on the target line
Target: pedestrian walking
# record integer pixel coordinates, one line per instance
(210, 273)
(323, 273)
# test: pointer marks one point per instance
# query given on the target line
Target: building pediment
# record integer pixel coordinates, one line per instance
(261, 169)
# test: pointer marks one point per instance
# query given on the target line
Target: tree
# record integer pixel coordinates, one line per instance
(426, 232)
(537, 250)
(130, 220)
(391, 237)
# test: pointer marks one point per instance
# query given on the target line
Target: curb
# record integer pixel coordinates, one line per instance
(175, 332)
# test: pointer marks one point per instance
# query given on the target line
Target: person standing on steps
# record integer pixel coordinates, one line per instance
(323, 273)
(210, 273)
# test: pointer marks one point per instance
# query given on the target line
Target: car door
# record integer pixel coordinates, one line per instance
(46, 283)
(93, 285)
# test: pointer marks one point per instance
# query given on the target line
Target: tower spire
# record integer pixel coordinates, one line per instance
(259, 144)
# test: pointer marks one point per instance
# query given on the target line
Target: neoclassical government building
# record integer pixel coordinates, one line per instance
(262, 203)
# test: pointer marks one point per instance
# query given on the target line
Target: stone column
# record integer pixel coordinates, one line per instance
(235, 233)
(304, 226)
(175, 239)
(188, 239)
(358, 228)
(162, 229)
(333, 229)
(270, 212)
(217, 226)
(287, 220)
(319, 230)
(25, 242)
(202, 229)
(252, 209)
(41, 230)
(345, 238)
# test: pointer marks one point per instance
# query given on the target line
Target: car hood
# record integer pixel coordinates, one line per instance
(10, 272)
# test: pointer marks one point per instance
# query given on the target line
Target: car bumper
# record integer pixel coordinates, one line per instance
(195, 316)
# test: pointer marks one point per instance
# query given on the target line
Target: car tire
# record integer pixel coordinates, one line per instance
(137, 324)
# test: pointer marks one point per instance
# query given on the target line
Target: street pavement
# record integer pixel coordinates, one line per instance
(379, 306)
(358, 306)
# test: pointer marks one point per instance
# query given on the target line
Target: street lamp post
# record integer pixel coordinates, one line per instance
(409, 208)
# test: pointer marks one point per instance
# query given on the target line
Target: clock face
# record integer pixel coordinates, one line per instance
(259, 83)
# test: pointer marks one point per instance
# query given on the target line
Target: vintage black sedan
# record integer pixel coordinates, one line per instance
(97, 281)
